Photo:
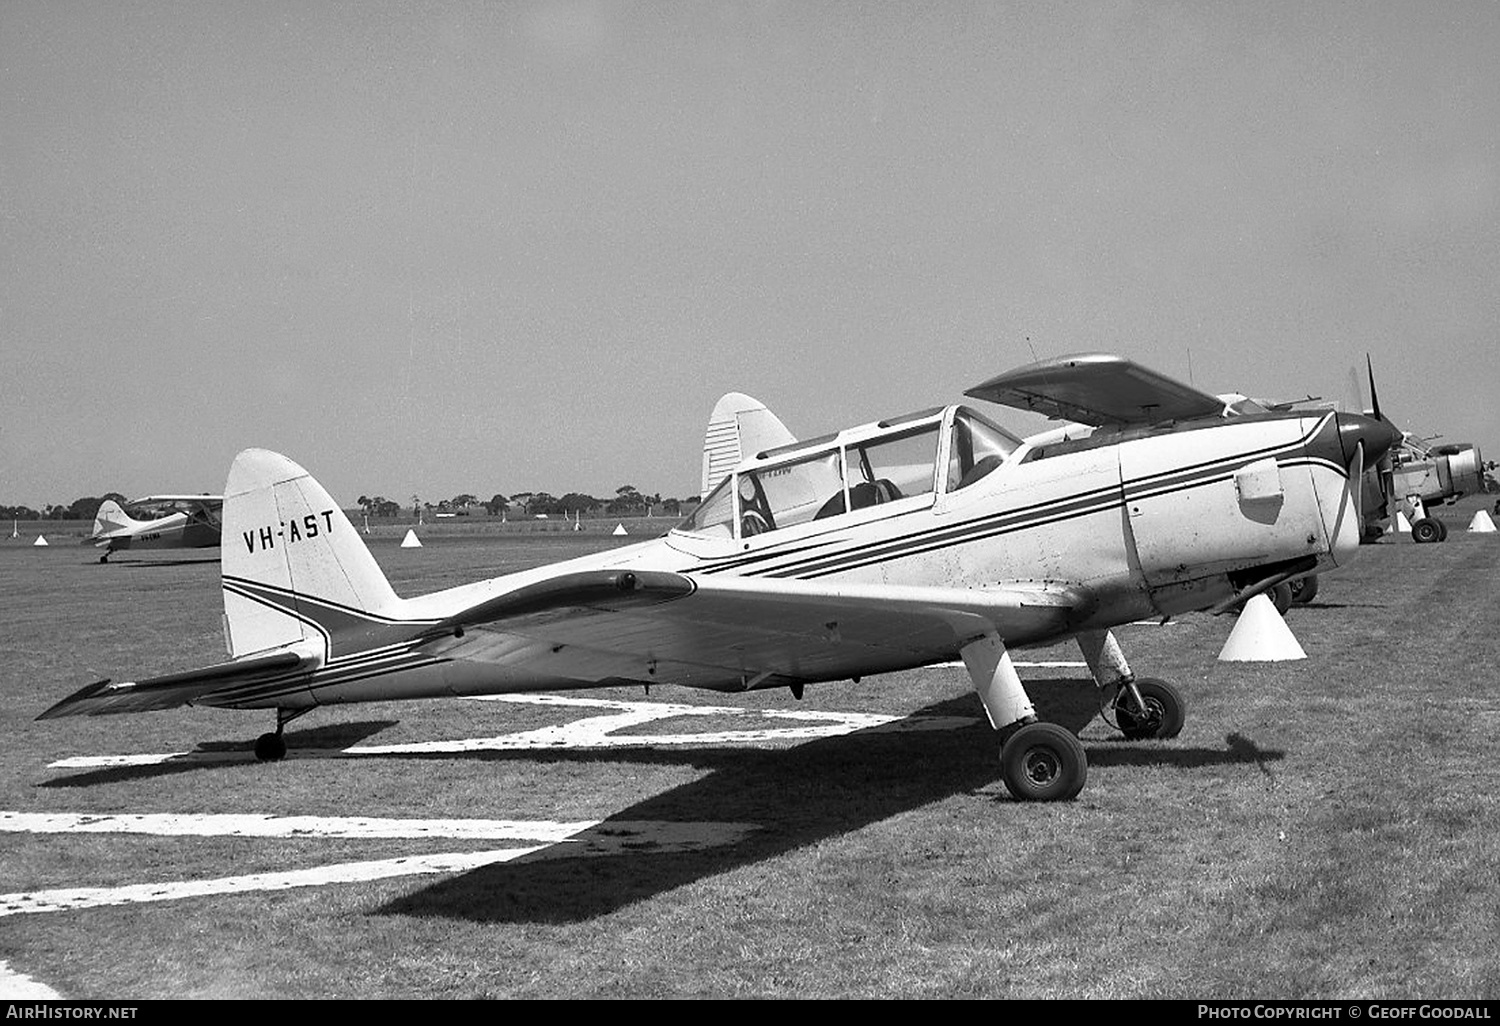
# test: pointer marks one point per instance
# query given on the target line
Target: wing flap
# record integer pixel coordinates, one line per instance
(170, 690)
(1100, 390)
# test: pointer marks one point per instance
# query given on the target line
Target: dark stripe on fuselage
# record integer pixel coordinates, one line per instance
(357, 645)
(802, 561)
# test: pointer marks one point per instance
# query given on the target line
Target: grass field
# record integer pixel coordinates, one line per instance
(1325, 828)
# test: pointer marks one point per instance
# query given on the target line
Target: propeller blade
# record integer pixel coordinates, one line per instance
(1374, 399)
(1357, 482)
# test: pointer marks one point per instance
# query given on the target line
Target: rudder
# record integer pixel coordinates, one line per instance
(738, 426)
(110, 520)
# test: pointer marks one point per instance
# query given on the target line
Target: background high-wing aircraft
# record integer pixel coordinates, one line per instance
(158, 522)
(899, 543)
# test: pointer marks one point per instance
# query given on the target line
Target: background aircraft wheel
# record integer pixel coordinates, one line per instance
(1281, 595)
(270, 747)
(1426, 530)
(1442, 530)
(1304, 589)
(1043, 762)
(1165, 710)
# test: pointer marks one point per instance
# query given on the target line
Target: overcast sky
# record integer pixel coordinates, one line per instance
(434, 248)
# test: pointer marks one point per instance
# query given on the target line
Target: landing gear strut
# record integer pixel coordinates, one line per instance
(1148, 707)
(1039, 762)
(1142, 707)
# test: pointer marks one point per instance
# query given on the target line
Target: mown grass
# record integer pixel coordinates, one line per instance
(1322, 829)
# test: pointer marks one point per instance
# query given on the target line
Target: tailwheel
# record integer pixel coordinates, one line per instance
(270, 747)
(1162, 716)
(1043, 762)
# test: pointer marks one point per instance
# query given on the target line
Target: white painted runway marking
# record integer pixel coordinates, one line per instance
(593, 732)
(555, 840)
(234, 825)
(16, 986)
(350, 872)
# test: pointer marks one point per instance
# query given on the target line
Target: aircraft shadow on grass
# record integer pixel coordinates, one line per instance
(333, 737)
(157, 563)
(788, 798)
(792, 798)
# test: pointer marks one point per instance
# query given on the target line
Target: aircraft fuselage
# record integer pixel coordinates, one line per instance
(1154, 523)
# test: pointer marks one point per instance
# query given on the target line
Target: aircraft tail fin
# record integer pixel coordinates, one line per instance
(739, 426)
(111, 521)
(294, 568)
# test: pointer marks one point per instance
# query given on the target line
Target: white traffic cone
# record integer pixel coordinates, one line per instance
(1400, 525)
(1260, 636)
(1482, 523)
(410, 541)
(620, 529)
(39, 540)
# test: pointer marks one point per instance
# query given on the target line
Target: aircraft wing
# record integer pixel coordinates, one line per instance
(609, 627)
(735, 632)
(170, 690)
(205, 499)
(1099, 390)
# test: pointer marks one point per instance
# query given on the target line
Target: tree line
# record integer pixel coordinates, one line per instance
(628, 501)
(78, 509)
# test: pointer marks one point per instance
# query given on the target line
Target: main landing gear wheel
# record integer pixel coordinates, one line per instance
(270, 747)
(1042, 762)
(1427, 530)
(1304, 589)
(1281, 596)
(1165, 710)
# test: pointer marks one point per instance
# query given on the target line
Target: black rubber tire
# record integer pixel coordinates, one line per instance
(1281, 596)
(1165, 704)
(1442, 531)
(1043, 762)
(270, 747)
(1426, 531)
(1304, 589)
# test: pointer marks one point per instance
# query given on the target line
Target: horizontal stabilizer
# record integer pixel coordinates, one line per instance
(171, 690)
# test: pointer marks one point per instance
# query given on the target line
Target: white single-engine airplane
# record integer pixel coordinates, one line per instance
(897, 544)
(158, 522)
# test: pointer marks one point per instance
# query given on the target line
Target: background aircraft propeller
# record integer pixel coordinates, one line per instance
(1385, 466)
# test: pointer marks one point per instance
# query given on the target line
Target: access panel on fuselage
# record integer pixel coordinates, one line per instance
(1201, 503)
